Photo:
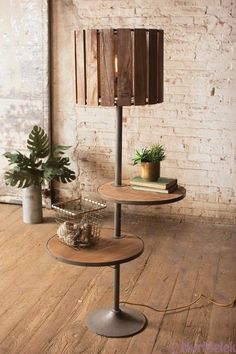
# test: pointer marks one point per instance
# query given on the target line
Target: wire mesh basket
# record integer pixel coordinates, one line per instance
(79, 221)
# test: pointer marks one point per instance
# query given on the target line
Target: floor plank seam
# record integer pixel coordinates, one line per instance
(215, 283)
(163, 317)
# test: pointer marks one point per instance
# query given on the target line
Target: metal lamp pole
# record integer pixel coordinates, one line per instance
(117, 211)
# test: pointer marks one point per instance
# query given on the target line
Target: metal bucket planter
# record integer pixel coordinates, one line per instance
(32, 205)
(150, 171)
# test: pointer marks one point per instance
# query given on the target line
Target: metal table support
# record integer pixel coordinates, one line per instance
(116, 321)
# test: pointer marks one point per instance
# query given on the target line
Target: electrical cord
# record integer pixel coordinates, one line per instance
(212, 301)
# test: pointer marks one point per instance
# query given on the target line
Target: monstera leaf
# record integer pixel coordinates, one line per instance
(21, 179)
(66, 175)
(38, 142)
(22, 161)
(58, 150)
(13, 157)
(57, 168)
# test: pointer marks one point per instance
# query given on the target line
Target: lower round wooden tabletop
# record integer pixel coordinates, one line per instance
(108, 250)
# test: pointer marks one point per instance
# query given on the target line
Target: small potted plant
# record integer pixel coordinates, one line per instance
(149, 159)
(43, 165)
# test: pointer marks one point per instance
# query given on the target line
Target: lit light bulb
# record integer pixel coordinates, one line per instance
(116, 64)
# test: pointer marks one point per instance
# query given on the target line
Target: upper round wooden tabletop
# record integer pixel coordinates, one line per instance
(124, 194)
(108, 250)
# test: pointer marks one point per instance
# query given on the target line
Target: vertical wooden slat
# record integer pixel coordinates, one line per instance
(107, 67)
(160, 66)
(75, 70)
(98, 67)
(80, 69)
(140, 67)
(152, 74)
(91, 67)
(124, 55)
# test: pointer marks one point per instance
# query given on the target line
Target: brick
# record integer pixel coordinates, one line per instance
(182, 20)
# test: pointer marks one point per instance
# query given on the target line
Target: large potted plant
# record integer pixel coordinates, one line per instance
(149, 159)
(43, 165)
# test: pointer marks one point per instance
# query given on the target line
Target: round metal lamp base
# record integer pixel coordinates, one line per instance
(109, 323)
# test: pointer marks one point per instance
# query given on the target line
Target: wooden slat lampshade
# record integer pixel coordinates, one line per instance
(121, 67)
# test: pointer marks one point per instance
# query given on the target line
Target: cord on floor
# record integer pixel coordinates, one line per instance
(211, 301)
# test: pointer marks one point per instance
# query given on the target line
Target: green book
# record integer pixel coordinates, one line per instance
(161, 183)
(156, 190)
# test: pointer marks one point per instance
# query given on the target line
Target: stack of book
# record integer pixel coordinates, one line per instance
(162, 185)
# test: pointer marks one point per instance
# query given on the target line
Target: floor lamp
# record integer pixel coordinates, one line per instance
(118, 67)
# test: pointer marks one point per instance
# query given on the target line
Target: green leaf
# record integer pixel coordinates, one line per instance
(58, 150)
(18, 159)
(21, 179)
(66, 175)
(157, 153)
(12, 157)
(38, 142)
(57, 168)
(141, 156)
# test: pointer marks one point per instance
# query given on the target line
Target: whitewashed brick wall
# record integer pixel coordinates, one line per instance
(23, 78)
(196, 122)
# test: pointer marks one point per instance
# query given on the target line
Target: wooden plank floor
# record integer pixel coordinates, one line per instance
(43, 303)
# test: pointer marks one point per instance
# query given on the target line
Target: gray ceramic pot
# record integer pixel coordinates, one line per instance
(32, 205)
